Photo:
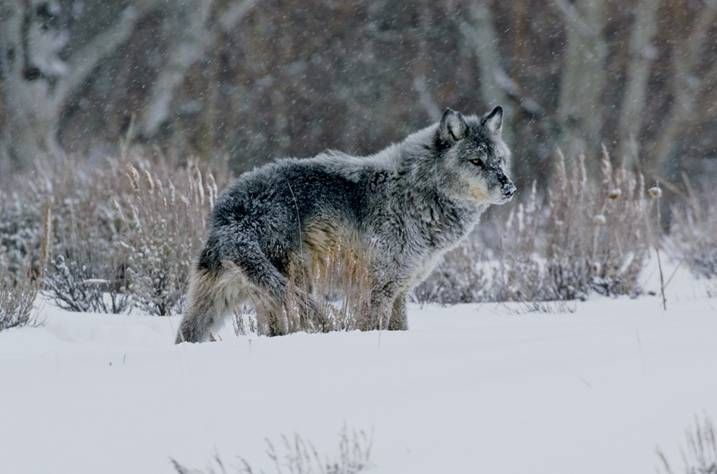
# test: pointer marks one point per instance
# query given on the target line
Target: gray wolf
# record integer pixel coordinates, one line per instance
(405, 206)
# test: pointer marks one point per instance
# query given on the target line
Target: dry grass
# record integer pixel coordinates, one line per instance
(164, 221)
(16, 303)
(295, 455)
(693, 236)
(123, 233)
(563, 243)
(700, 454)
(330, 292)
(339, 282)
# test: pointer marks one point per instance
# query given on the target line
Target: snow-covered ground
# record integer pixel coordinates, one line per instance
(475, 388)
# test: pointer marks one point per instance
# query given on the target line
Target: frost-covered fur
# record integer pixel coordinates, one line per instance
(402, 208)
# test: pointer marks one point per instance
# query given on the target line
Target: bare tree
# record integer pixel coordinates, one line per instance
(37, 81)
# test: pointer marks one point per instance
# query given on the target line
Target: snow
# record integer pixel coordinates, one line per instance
(471, 388)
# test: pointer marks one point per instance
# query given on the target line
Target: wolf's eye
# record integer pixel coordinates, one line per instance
(479, 163)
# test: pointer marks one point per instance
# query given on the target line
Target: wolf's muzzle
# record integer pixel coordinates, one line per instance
(508, 190)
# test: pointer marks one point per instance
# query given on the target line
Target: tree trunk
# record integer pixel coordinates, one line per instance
(583, 79)
(37, 81)
(686, 86)
(30, 128)
(191, 36)
(482, 36)
(642, 54)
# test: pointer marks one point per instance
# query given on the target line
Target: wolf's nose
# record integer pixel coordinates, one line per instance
(509, 189)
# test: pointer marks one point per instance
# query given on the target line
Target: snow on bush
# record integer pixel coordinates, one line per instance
(16, 303)
(124, 233)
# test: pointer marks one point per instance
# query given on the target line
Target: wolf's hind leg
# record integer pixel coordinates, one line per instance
(212, 296)
(270, 291)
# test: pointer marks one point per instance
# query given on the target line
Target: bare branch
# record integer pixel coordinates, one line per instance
(192, 43)
(84, 61)
(234, 14)
(573, 18)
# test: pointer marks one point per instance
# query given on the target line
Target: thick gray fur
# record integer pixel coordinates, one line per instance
(406, 206)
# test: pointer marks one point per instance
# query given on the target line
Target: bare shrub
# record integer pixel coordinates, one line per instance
(693, 234)
(573, 239)
(295, 455)
(124, 232)
(700, 454)
(16, 303)
(164, 217)
(461, 278)
(73, 284)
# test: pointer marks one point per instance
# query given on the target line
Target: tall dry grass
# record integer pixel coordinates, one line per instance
(699, 455)
(561, 243)
(334, 285)
(296, 455)
(164, 219)
(693, 233)
(123, 232)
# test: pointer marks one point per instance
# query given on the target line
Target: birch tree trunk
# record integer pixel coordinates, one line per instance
(192, 35)
(495, 84)
(642, 54)
(36, 81)
(583, 77)
(686, 85)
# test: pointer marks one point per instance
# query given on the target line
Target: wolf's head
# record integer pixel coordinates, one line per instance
(472, 158)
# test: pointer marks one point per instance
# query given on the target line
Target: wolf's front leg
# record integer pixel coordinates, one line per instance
(399, 318)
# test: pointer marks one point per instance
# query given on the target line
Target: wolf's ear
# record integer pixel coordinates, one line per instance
(494, 120)
(453, 126)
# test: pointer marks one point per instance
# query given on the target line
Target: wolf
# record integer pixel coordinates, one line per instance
(405, 206)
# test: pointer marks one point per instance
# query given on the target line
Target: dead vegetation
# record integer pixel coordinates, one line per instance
(699, 455)
(296, 455)
(693, 236)
(561, 243)
(122, 234)
(16, 303)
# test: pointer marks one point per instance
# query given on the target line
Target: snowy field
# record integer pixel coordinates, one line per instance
(475, 388)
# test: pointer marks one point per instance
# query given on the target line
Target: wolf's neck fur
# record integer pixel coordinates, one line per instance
(416, 189)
